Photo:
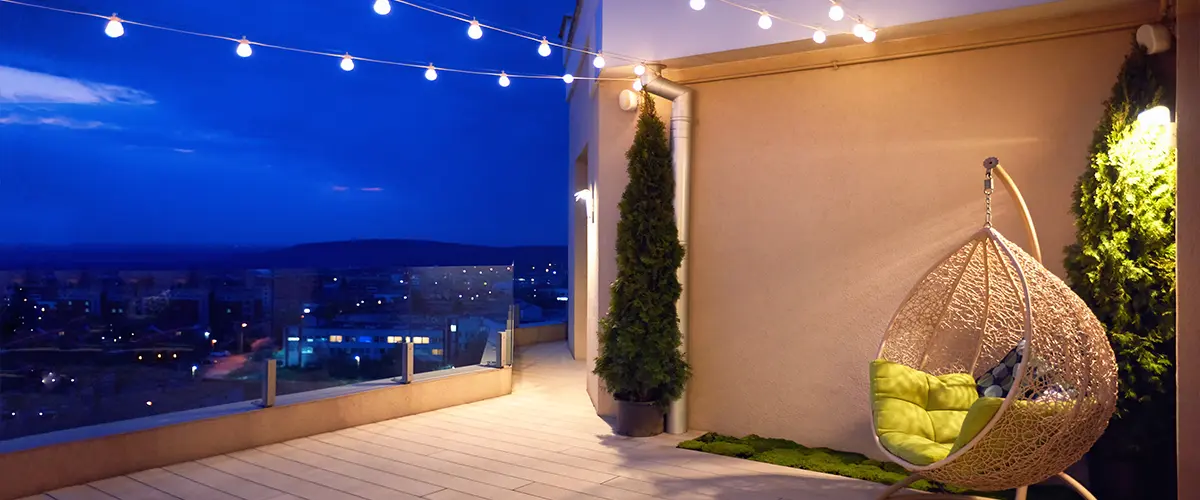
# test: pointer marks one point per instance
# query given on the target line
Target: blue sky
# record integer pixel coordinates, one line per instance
(157, 138)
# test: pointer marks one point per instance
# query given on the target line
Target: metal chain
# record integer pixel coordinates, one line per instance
(987, 191)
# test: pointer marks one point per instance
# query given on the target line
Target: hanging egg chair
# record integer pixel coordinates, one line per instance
(993, 374)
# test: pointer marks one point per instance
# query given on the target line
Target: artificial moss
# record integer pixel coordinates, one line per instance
(729, 449)
(791, 454)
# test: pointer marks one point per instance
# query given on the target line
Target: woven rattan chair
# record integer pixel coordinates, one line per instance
(979, 305)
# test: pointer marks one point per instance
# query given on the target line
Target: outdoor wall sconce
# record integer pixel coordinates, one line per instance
(586, 197)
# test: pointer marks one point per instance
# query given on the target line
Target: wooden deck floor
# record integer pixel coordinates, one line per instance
(544, 442)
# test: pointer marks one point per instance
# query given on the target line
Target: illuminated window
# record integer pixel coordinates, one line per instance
(335, 338)
(437, 352)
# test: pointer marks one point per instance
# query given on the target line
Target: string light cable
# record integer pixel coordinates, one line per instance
(115, 28)
(543, 42)
(837, 12)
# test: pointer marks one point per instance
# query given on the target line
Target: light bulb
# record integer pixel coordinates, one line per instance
(860, 29)
(243, 48)
(568, 78)
(599, 61)
(114, 28)
(431, 73)
(347, 65)
(764, 21)
(639, 70)
(697, 4)
(869, 36)
(1158, 115)
(819, 36)
(836, 12)
(504, 81)
(383, 7)
(475, 31)
(637, 85)
(544, 48)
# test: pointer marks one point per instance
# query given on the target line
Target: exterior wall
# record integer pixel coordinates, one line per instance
(539, 334)
(820, 197)
(1187, 233)
(585, 149)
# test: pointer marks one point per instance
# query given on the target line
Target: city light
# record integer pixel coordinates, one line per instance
(206, 334)
(243, 325)
(149, 403)
(307, 310)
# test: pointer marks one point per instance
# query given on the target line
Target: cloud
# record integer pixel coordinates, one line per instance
(30, 87)
(184, 151)
(56, 121)
(372, 189)
(340, 188)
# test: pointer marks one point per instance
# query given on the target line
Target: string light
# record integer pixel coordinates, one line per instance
(568, 78)
(637, 85)
(697, 4)
(383, 7)
(475, 31)
(764, 21)
(504, 81)
(243, 48)
(114, 29)
(860, 29)
(639, 70)
(462, 17)
(544, 48)
(599, 61)
(819, 36)
(836, 12)
(869, 36)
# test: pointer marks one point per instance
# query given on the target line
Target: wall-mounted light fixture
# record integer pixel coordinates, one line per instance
(586, 197)
(1158, 115)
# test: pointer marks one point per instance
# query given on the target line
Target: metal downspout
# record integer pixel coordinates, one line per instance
(681, 155)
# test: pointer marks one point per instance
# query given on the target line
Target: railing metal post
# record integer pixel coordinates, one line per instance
(404, 351)
(268, 383)
(502, 349)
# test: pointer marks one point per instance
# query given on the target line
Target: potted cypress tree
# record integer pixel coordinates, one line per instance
(640, 362)
(1123, 266)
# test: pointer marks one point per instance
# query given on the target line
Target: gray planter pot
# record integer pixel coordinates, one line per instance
(639, 419)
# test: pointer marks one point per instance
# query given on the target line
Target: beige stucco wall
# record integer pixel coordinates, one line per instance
(820, 197)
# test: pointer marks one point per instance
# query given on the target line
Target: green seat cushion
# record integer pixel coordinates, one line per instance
(977, 418)
(918, 416)
(915, 450)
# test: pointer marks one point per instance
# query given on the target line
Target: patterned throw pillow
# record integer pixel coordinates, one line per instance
(996, 383)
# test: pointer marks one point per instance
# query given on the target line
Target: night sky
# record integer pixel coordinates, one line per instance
(160, 138)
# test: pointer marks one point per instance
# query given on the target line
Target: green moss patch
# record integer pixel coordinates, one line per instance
(792, 454)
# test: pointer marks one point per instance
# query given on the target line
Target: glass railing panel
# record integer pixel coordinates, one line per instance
(347, 326)
(79, 348)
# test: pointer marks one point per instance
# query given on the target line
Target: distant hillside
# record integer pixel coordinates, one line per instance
(358, 253)
(410, 253)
